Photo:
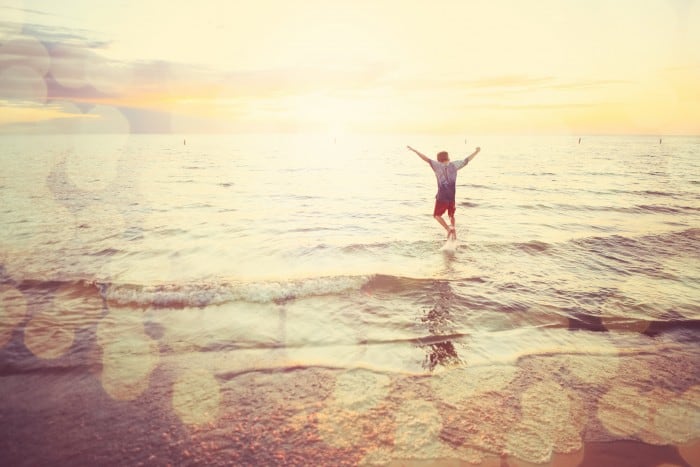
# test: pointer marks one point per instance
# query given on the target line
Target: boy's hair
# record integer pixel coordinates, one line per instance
(442, 156)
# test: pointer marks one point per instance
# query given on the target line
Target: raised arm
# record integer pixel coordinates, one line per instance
(421, 155)
(472, 155)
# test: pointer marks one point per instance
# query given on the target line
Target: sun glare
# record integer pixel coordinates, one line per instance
(336, 67)
(326, 114)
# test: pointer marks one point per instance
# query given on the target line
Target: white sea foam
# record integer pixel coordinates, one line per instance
(204, 294)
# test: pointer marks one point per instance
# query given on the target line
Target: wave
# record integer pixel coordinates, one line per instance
(533, 246)
(205, 294)
(106, 252)
(211, 293)
(650, 193)
(192, 294)
(624, 256)
(673, 243)
(460, 305)
(667, 243)
(636, 209)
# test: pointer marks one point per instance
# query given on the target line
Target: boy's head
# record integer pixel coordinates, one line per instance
(443, 157)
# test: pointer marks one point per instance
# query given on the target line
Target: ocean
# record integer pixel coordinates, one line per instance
(285, 299)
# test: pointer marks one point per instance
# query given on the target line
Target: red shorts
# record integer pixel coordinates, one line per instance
(442, 206)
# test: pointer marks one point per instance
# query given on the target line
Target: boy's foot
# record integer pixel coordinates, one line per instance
(451, 233)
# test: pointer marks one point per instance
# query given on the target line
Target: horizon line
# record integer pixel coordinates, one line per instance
(345, 133)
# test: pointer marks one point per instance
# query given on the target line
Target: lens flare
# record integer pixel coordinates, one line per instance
(68, 65)
(21, 83)
(128, 355)
(127, 365)
(456, 385)
(92, 163)
(551, 422)
(108, 76)
(47, 337)
(528, 443)
(13, 309)
(25, 51)
(74, 308)
(671, 418)
(196, 397)
(360, 390)
(597, 365)
(339, 427)
(623, 411)
(418, 426)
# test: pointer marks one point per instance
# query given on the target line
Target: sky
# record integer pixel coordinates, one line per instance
(471, 66)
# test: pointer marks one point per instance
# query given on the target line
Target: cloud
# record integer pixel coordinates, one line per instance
(53, 35)
(28, 10)
(590, 84)
(301, 80)
(504, 83)
(76, 65)
(16, 20)
(537, 106)
(507, 81)
(155, 96)
(25, 115)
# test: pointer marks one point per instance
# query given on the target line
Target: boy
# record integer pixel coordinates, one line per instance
(446, 174)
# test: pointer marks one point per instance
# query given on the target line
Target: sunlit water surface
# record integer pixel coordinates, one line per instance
(285, 299)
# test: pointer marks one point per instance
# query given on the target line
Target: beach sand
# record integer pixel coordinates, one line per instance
(191, 413)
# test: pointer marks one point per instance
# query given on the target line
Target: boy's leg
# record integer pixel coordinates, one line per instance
(451, 213)
(440, 208)
(442, 223)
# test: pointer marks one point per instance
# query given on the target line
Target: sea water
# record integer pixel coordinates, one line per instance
(287, 299)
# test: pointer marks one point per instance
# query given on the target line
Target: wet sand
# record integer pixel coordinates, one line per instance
(263, 418)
